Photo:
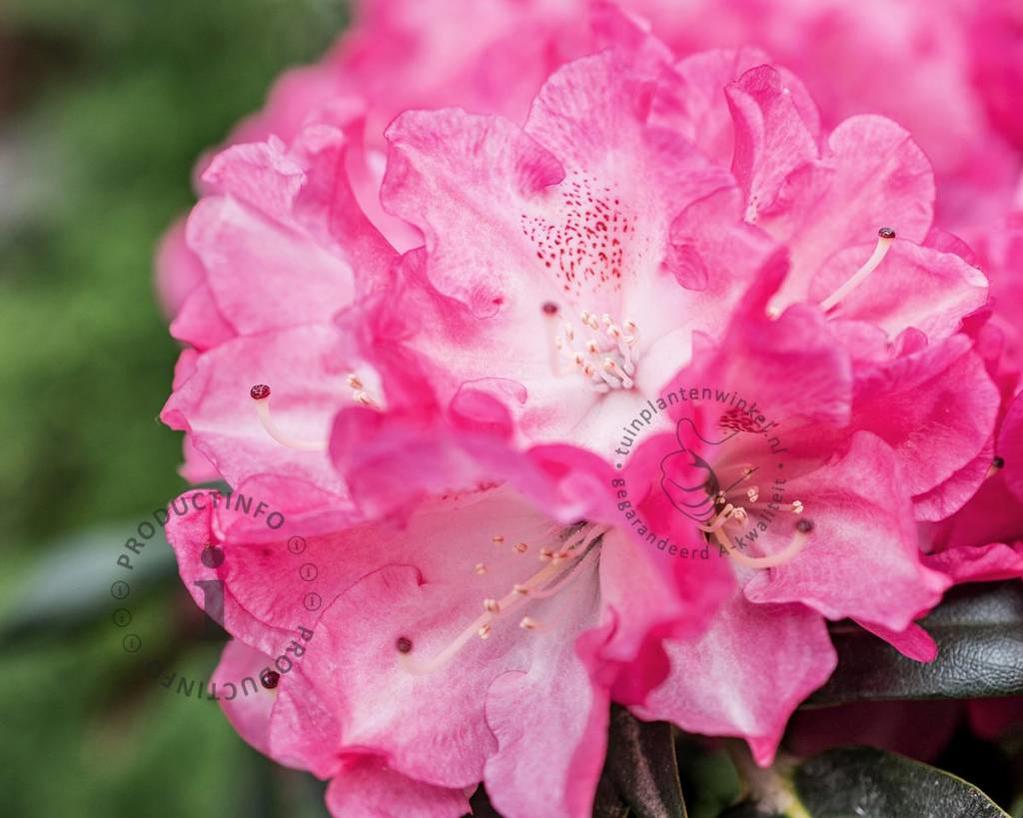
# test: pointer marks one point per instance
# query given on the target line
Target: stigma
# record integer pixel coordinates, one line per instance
(261, 392)
(885, 239)
(730, 519)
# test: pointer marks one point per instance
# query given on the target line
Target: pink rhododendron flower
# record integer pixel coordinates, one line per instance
(274, 212)
(984, 540)
(478, 641)
(454, 371)
(590, 233)
(905, 62)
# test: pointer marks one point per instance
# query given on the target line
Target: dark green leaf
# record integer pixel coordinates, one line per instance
(72, 581)
(979, 631)
(608, 803)
(863, 781)
(481, 806)
(641, 764)
(711, 782)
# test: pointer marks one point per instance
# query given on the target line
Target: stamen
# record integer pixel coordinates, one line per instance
(624, 348)
(528, 624)
(885, 238)
(797, 506)
(798, 542)
(719, 521)
(606, 376)
(480, 568)
(611, 365)
(521, 547)
(497, 539)
(481, 626)
(403, 644)
(354, 382)
(558, 587)
(260, 393)
(607, 343)
(997, 464)
(550, 312)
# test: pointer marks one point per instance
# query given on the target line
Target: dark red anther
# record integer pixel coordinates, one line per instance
(998, 462)
(403, 644)
(804, 526)
(270, 679)
(259, 391)
(550, 308)
(886, 233)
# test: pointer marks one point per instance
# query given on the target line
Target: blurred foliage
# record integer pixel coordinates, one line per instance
(105, 107)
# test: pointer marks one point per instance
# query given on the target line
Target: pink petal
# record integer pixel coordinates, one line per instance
(914, 286)
(987, 563)
(913, 642)
(366, 787)
(771, 138)
(550, 747)
(215, 407)
(791, 367)
(871, 175)
(252, 263)
(1010, 447)
(200, 322)
(993, 515)
(936, 408)
(862, 517)
(196, 468)
(948, 497)
(695, 103)
(746, 675)
(447, 174)
(178, 270)
(248, 710)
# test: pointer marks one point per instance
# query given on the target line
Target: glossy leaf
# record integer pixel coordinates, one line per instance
(642, 766)
(869, 782)
(979, 631)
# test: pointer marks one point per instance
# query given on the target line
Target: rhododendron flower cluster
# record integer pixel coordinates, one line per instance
(427, 332)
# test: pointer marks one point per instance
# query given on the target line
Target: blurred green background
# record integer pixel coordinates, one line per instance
(104, 108)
